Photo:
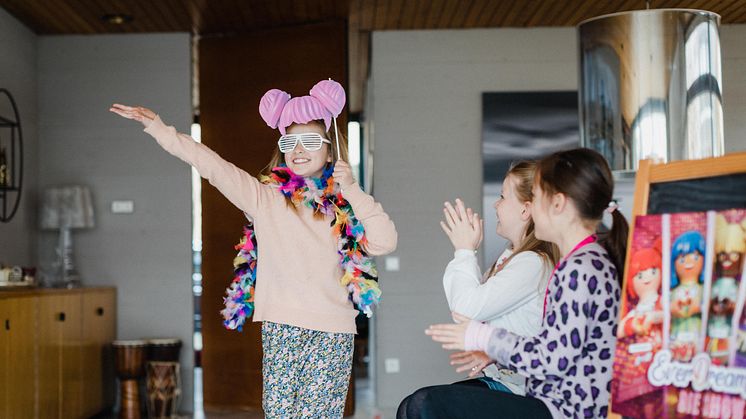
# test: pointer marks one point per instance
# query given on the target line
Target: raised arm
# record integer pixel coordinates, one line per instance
(242, 189)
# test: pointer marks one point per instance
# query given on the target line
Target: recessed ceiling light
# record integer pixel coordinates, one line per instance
(117, 18)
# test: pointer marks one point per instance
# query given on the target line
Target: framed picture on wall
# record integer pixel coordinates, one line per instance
(518, 126)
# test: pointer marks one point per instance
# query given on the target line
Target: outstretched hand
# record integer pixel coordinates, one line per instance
(451, 336)
(138, 113)
(462, 226)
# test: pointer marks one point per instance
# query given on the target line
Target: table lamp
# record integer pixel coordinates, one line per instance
(66, 208)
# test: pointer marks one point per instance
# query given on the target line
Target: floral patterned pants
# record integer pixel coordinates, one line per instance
(306, 372)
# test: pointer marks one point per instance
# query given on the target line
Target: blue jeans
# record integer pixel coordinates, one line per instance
(493, 384)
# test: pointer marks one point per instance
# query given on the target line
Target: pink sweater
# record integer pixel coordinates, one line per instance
(298, 266)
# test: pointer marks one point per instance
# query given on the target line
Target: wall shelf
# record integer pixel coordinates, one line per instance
(11, 157)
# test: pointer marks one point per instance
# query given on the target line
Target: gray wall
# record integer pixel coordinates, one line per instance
(146, 254)
(426, 125)
(734, 86)
(18, 46)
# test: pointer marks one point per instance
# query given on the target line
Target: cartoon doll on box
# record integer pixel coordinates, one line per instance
(730, 245)
(640, 329)
(687, 266)
(643, 321)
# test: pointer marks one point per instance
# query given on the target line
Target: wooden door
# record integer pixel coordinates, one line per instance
(234, 73)
(20, 329)
(98, 333)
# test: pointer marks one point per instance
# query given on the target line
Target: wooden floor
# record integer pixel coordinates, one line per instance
(233, 415)
(359, 414)
(364, 403)
(364, 407)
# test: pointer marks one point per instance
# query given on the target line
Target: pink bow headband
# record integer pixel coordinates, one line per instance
(325, 102)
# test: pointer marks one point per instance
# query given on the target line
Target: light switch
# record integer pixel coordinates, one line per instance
(392, 263)
(392, 365)
(122, 207)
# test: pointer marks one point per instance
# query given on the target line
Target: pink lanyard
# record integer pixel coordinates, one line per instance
(588, 240)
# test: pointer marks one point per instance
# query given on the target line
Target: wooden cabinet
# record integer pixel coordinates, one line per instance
(59, 356)
(4, 356)
(17, 357)
(59, 343)
(98, 333)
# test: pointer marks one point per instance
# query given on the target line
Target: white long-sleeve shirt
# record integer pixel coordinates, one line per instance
(512, 299)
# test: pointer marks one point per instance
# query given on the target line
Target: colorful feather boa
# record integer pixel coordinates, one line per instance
(359, 275)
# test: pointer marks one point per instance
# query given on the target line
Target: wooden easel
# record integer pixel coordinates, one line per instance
(649, 174)
(652, 176)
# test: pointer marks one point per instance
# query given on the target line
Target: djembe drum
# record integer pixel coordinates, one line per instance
(163, 378)
(166, 350)
(164, 389)
(130, 367)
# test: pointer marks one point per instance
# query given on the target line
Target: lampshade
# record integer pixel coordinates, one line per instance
(68, 206)
(650, 86)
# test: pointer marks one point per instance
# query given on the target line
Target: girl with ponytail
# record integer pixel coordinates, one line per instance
(316, 231)
(569, 362)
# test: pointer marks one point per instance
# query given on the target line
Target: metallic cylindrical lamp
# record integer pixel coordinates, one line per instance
(650, 86)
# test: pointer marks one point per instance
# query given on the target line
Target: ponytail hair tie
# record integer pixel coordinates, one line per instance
(612, 206)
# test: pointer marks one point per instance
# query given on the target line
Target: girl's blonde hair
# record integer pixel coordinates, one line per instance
(523, 173)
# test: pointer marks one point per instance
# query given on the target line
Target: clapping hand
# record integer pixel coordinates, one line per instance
(462, 226)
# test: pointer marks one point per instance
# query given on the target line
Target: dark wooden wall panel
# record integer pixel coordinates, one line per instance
(234, 72)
